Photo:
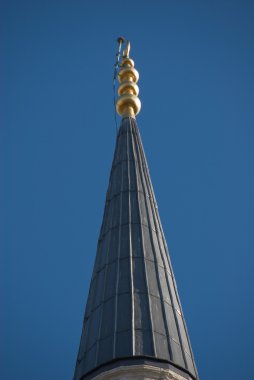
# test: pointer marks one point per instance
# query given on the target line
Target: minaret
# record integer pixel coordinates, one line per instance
(133, 326)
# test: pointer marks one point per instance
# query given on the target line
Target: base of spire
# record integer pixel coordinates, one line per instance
(139, 372)
(137, 368)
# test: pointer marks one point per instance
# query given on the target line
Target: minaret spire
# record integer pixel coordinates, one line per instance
(128, 103)
(134, 326)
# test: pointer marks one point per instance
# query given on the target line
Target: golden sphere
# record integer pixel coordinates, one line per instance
(128, 74)
(127, 105)
(128, 88)
(127, 62)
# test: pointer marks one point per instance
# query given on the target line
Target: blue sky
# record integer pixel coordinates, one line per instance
(195, 60)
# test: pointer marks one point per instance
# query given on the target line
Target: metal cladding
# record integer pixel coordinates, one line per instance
(133, 310)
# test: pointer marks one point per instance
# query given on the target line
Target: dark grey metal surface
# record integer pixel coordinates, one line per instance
(133, 308)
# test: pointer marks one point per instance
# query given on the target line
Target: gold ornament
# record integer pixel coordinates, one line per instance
(128, 103)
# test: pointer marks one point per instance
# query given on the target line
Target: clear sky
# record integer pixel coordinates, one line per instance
(195, 60)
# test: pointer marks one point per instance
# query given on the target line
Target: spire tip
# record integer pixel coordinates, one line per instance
(128, 103)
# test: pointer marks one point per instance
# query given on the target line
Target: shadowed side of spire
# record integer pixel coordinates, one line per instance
(133, 309)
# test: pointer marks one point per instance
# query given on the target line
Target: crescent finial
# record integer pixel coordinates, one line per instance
(128, 103)
(126, 52)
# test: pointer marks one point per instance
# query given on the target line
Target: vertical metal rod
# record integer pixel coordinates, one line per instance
(120, 41)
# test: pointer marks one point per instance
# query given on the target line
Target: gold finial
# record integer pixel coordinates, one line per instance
(128, 103)
(126, 52)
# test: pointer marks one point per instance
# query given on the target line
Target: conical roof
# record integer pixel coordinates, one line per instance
(133, 311)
